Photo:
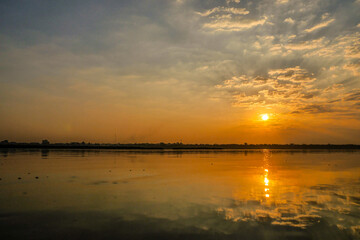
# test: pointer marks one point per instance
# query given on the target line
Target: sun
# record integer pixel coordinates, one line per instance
(265, 117)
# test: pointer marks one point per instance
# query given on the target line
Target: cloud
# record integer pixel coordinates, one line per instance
(233, 25)
(230, 1)
(236, 11)
(292, 89)
(320, 25)
(318, 43)
(230, 19)
(353, 50)
(295, 74)
(314, 108)
(277, 87)
(353, 96)
(354, 67)
(289, 20)
(157, 56)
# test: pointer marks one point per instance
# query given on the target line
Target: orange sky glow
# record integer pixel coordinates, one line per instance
(190, 71)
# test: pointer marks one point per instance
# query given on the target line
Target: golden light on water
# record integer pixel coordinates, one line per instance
(266, 182)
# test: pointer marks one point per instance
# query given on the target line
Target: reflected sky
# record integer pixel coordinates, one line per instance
(278, 192)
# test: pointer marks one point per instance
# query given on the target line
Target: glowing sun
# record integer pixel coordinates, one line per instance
(265, 117)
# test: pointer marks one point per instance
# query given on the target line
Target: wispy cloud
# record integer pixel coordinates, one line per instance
(160, 60)
(237, 11)
(320, 25)
(318, 43)
(233, 25)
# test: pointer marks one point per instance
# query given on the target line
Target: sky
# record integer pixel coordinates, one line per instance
(180, 70)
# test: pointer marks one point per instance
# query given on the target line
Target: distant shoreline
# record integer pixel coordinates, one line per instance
(174, 146)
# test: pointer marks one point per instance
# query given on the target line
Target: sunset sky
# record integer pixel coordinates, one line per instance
(180, 70)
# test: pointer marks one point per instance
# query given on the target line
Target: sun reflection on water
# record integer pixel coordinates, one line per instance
(266, 180)
(282, 195)
(255, 189)
(266, 172)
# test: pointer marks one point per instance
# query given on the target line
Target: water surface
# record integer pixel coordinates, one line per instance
(106, 194)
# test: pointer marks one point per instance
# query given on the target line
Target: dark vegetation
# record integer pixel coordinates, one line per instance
(178, 145)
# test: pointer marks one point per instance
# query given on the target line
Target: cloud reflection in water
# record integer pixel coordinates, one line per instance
(204, 195)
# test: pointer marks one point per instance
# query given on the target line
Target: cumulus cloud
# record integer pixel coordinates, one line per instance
(291, 88)
(229, 19)
(353, 67)
(277, 87)
(289, 20)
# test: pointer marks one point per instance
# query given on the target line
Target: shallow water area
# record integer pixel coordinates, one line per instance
(220, 194)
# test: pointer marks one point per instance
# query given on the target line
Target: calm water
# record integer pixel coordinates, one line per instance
(107, 194)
